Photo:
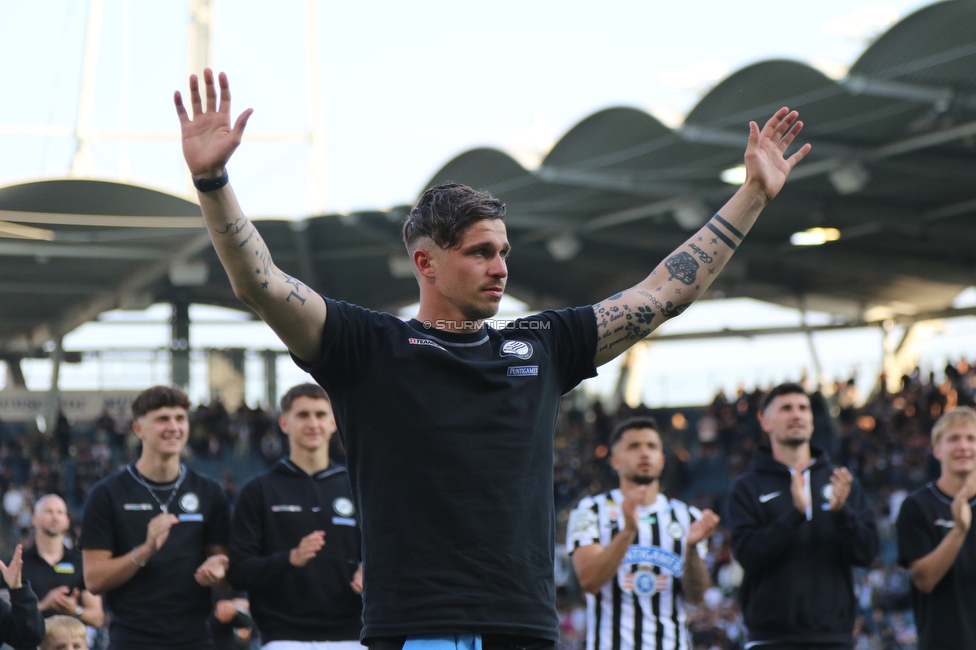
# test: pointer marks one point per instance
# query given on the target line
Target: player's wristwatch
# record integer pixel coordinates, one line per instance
(79, 611)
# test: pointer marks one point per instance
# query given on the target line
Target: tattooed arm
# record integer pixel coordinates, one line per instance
(287, 305)
(627, 317)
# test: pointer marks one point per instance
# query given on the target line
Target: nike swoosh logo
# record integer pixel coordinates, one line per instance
(763, 498)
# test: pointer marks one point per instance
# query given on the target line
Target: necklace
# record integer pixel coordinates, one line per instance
(176, 486)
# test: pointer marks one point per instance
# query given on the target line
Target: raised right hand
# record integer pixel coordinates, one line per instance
(307, 548)
(798, 488)
(157, 532)
(12, 572)
(962, 512)
(208, 139)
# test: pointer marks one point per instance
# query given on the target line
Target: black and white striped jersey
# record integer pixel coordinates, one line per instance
(642, 607)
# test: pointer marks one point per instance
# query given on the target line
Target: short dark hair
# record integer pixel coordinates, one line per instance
(302, 390)
(445, 211)
(788, 388)
(638, 422)
(159, 397)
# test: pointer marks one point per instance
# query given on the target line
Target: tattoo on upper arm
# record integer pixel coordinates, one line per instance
(251, 234)
(299, 285)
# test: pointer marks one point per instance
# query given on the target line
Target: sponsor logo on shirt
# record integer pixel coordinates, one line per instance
(945, 523)
(286, 508)
(657, 556)
(64, 567)
(343, 507)
(427, 342)
(343, 521)
(523, 371)
(190, 502)
(514, 348)
(188, 517)
(137, 506)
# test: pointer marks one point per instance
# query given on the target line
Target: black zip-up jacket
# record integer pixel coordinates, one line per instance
(21, 625)
(272, 514)
(798, 585)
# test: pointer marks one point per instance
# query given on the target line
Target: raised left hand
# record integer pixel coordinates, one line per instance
(766, 164)
(12, 572)
(840, 479)
(212, 571)
(703, 528)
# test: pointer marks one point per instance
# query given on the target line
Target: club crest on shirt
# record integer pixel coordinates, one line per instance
(343, 506)
(189, 502)
(519, 349)
(644, 583)
(827, 492)
(675, 530)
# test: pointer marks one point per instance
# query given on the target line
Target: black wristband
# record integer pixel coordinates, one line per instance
(211, 184)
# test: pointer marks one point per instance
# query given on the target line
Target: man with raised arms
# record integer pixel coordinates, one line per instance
(448, 422)
(154, 535)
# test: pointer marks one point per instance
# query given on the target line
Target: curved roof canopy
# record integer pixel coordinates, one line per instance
(893, 168)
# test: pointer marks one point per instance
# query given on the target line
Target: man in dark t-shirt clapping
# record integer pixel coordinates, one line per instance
(154, 535)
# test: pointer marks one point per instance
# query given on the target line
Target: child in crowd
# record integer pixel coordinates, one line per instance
(64, 633)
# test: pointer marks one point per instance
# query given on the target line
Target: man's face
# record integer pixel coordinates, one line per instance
(956, 449)
(164, 431)
(638, 456)
(788, 420)
(472, 275)
(51, 517)
(309, 423)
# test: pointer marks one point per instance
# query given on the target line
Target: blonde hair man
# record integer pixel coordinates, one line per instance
(935, 538)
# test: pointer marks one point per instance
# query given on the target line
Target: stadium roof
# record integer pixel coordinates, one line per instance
(893, 168)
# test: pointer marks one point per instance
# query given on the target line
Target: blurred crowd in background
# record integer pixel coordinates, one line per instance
(883, 440)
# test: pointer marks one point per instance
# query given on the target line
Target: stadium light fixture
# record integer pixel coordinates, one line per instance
(814, 236)
(734, 175)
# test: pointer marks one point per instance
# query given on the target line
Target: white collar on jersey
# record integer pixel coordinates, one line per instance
(661, 505)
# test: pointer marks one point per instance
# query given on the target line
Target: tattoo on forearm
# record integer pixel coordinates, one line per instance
(238, 225)
(251, 234)
(668, 310)
(622, 323)
(682, 267)
(702, 255)
(714, 224)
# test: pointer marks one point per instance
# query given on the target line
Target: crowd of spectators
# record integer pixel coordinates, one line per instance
(884, 442)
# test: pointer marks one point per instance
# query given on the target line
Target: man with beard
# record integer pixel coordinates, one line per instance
(54, 570)
(634, 550)
(798, 526)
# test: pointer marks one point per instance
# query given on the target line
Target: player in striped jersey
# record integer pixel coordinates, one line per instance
(634, 551)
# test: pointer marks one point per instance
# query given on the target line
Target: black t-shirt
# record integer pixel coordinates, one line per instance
(161, 606)
(944, 617)
(449, 443)
(43, 577)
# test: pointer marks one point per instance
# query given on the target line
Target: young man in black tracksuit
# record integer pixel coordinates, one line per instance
(295, 542)
(798, 526)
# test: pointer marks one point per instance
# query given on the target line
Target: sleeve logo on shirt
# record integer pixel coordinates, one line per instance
(343, 506)
(190, 502)
(286, 508)
(519, 349)
(137, 506)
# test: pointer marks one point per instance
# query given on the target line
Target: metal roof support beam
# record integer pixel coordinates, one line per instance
(104, 301)
(609, 181)
(859, 85)
(31, 249)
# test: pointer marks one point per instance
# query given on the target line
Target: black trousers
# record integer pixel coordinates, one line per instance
(803, 646)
